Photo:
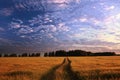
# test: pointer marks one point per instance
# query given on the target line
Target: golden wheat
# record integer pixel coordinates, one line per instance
(37, 66)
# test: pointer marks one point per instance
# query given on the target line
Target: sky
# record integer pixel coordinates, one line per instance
(49, 25)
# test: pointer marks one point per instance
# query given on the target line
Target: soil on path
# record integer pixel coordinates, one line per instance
(61, 72)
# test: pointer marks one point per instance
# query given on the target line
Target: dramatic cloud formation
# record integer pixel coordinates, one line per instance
(46, 25)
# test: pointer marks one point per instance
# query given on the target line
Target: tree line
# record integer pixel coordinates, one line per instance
(61, 53)
(21, 55)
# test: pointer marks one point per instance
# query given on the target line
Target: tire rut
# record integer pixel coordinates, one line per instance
(61, 72)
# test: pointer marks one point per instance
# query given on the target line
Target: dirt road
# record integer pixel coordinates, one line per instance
(61, 72)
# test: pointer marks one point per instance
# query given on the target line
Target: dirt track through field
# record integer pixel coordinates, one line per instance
(61, 72)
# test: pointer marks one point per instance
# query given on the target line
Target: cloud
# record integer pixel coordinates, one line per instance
(2, 29)
(44, 5)
(110, 8)
(17, 21)
(59, 1)
(111, 29)
(94, 43)
(28, 5)
(92, 48)
(83, 19)
(50, 35)
(62, 27)
(15, 25)
(52, 28)
(67, 23)
(25, 30)
(19, 49)
(39, 5)
(39, 28)
(6, 11)
(4, 41)
(41, 20)
(20, 6)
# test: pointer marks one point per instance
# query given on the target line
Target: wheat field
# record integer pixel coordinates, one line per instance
(32, 68)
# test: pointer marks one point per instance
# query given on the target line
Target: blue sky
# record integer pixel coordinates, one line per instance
(47, 25)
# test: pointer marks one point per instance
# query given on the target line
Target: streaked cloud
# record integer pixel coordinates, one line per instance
(6, 11)
(4, 42)
(83, 19)
(25, 30)
(109, 8)
(2, 29)
(15, 25)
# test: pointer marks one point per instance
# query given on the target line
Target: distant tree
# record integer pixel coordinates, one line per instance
(0, 55)
(49, 54)
(19, 55)
(60, 53)
(29, 55)
(6, 55)
(80, 53)
(104, 54)
(13, 55)
(24, 55)
(32, 55)
(37, 54)
(118, 54)
(77, 53)
(45, 54)
(53, 53)
(89, 53)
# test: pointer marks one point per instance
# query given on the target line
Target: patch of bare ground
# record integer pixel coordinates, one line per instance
(62, 72)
